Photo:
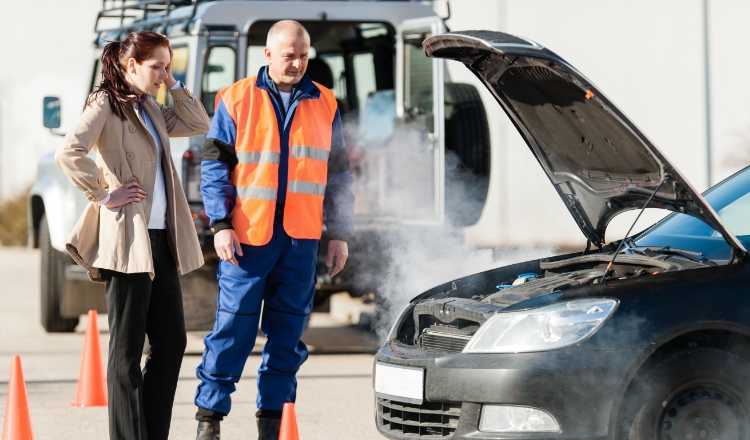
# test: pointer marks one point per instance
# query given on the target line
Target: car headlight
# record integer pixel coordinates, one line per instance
(546, 328)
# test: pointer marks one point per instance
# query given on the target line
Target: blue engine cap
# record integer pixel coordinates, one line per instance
(525, 278)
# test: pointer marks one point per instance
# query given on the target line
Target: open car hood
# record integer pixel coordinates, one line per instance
(599, 162)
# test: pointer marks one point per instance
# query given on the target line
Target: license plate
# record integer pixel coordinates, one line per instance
(403, 384)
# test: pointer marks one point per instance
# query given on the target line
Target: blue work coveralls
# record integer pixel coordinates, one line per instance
(280, 276)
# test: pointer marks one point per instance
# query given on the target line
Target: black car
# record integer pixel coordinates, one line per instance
(646, 337)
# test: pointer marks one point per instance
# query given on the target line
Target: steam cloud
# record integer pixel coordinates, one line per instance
(396, 180)
(420, 260)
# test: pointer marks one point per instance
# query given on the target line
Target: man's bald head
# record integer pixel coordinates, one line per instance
(285, 29)
(286, 53)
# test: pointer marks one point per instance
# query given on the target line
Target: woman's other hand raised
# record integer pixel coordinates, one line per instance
(128, 193)
(170, 80)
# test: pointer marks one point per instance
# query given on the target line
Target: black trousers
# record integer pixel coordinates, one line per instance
(140, 402)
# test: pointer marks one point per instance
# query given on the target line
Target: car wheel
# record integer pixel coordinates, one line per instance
(696, 394)
(52, 279)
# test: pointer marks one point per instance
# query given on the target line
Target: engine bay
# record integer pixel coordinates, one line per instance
(444, 320)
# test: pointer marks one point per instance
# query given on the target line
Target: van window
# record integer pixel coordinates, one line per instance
(218, 73)
(418, 84)
(179, 71)
(336, 63)
(255, 60)
(364, 74)
(358, 59)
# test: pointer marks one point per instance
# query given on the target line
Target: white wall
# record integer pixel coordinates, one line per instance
(46, 50)
(648, 58)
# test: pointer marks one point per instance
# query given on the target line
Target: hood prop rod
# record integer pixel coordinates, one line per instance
(622, 242)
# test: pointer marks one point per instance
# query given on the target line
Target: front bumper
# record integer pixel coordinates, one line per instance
(580, 388)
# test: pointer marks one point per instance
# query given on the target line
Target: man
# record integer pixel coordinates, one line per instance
(273, 163)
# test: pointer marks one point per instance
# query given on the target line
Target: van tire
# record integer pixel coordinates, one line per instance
(52, 279)
(467, 135)
(467, 132)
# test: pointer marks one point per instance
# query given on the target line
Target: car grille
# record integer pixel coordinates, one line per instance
(429, 420)
(442, 341)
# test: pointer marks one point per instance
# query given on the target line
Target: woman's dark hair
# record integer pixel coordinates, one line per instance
(138, 45)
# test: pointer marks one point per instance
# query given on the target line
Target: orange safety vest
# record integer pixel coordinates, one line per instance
(258, 148)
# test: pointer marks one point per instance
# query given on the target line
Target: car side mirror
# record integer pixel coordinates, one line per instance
(51, 112)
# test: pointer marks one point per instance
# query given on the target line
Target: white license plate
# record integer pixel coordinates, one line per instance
(404, 384)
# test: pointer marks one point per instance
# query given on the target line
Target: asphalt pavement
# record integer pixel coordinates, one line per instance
(334, 395)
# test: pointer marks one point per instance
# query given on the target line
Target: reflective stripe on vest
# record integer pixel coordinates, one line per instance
(258, 157)
(310, 152)
(318, 189)
(258, 148)
(256, 192)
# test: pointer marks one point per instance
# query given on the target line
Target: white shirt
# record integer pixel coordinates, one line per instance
(285, 97)
(158, 218)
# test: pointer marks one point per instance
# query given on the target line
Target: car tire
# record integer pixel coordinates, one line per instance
(52, 280)
(467, 135)
(695, 393)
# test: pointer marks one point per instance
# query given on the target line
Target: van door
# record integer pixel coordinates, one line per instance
(217, 67)
(220, 65)
(416, 175)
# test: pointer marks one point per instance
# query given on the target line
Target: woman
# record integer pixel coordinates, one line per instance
(137, 233)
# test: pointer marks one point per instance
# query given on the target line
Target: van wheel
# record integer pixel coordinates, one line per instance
(52, 281)
(467, 161)
(699, 393)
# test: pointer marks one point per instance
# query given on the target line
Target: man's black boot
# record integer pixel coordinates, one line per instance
(268, 429)
(269, 423)
(208, 430)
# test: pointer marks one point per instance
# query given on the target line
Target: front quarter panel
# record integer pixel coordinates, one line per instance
(654, 308)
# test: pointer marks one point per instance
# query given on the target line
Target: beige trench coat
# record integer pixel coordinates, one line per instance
(117, 239)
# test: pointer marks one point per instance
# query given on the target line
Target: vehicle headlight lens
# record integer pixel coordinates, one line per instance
(546, 328)
(506, 418)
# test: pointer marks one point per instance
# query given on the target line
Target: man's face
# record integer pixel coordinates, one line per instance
(287, 60)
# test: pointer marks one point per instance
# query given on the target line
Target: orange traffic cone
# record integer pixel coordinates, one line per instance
(288, 429)
(17, 425)
(92, 384)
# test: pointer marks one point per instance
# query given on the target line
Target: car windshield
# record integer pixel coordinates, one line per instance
(730, 199)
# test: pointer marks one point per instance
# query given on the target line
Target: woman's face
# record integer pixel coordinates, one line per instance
(148, 76)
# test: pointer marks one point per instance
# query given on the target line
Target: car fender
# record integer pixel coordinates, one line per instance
(46, 197)
(636, 367)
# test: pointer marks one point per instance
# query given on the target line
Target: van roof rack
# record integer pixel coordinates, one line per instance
(122, 17)
(136, 15)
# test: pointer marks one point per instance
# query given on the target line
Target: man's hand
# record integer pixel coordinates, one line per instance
(128, 193)
(340, 250)
(226, 244)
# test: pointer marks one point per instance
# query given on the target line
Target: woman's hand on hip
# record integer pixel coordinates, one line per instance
(226, 244)
(128, 193)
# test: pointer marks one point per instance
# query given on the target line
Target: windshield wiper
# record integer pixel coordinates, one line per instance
(690, 255)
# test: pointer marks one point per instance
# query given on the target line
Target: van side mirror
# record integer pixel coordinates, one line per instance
(51, 112)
